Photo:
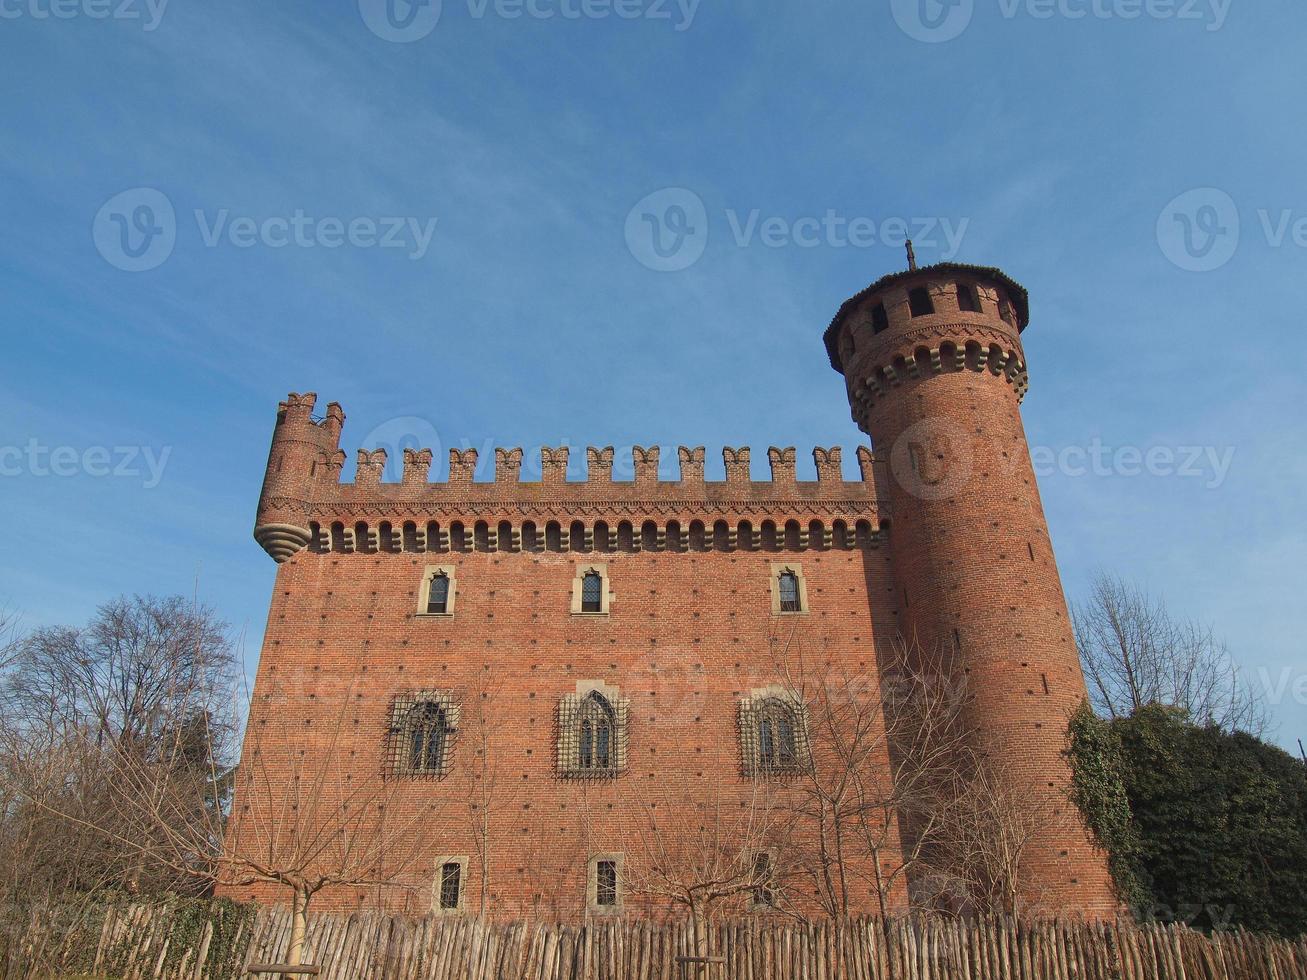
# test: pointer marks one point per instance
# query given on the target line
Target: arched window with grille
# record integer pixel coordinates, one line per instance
(595, 738)
(777, 745)
(422, 733)
(773, 734)
(592, 732)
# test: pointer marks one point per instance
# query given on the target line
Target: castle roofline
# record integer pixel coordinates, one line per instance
(1016, 292)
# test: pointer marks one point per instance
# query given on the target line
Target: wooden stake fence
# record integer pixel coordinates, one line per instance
(143, 942)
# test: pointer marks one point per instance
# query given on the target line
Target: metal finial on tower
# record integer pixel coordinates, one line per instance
(912, 257)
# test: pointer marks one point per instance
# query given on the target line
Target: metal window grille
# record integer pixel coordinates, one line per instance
(451, 880)
(606, 883)
(438, 594)
(592, 585)
(789, 590)
(592, 735)
(423, 726)
(773, 737)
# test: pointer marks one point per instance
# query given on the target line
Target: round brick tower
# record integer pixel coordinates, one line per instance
(305, 452)
(933, 363)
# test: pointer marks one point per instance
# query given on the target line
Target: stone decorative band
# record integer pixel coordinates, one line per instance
(281, 540)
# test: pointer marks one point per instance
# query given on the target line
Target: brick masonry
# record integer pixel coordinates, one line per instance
(942, 538)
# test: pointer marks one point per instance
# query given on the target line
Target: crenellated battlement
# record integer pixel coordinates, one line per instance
(463, 463)
(304, 493)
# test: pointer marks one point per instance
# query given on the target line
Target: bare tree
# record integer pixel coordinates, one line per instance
(149, 682)
(115, 762)
(708, 857)
(885, 756)
(307, 822)
(1134, 653)
(490, 791)
(977, 862)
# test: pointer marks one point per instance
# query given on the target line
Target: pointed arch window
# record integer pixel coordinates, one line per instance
(590, 592)
(438, 591)
(422, 734)
(592, 732)
(595, 738)
(438, 595)
(789, 591)
(777, 743)
(773, 730)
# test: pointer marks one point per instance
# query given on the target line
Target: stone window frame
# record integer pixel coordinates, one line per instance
(462, 861)
(750, 756)
(592, 905)
(424, 591)
(796, 569)
(605, 590)
(399, 743)
(569, 738)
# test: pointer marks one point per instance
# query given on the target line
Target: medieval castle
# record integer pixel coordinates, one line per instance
(526, 664)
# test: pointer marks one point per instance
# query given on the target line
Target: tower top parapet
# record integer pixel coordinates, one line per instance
(1015, 293)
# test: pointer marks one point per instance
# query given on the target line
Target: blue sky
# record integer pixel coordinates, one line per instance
(1070, 150)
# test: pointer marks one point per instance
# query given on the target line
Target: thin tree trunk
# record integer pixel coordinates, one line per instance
(299, 921)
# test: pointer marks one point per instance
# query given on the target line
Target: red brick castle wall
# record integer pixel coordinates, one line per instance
(690, 627)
